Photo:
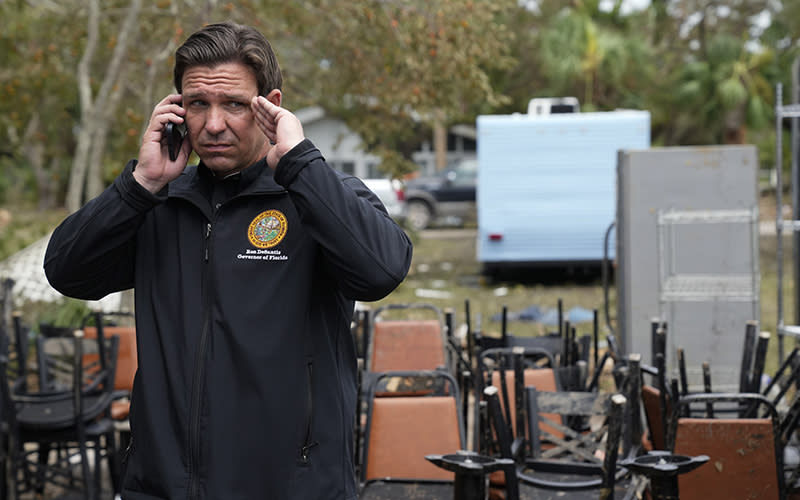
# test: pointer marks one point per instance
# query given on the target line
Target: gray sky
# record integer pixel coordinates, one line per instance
(627, 6)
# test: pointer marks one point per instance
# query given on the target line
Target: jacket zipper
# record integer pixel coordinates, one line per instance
(307, 443)
(128, 450)
(197, 381)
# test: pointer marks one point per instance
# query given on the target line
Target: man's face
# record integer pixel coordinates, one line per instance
(219, 119)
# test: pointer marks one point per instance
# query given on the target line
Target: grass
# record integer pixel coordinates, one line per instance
(446, 266)
(445, 273)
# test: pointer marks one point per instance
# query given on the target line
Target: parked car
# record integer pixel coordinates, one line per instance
(390, 192)
(447, 197)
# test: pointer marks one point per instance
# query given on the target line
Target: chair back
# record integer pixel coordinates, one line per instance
(127, 361)
(57, 358)
(500, 366)
(745, 454)
(575, 460)
(651, 400)
(401, 431)
(407, 337)
(407, 345)
(543, 379)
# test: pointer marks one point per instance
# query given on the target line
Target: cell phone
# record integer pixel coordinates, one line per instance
(175, 133)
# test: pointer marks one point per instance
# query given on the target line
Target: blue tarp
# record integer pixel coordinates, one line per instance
(536, 314)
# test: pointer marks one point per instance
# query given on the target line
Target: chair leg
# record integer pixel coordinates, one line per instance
(42, 457)
(4, 461)
(98, 459)
(11, 471)
(88, 483)
(112, 458)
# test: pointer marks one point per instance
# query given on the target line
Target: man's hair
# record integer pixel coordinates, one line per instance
(229, 42)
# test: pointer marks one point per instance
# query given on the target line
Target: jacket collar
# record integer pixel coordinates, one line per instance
(195, 183)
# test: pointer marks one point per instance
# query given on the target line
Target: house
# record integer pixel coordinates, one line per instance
(343, 150)
(340, 145)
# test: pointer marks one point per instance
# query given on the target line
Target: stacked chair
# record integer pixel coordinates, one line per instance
(55, 425)
(521, 400)
(564, 443)
(127, 363)
(554, 417)
(744, 434)
(409, 403)
(402, 430)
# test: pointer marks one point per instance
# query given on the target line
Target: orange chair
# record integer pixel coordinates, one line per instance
(401, 431)
(127, 364)
(745, 454)
(408, 342)
(543, 379)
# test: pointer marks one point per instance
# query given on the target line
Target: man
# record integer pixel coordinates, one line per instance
(246, 268)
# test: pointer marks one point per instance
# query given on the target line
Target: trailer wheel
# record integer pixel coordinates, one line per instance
(419, 214)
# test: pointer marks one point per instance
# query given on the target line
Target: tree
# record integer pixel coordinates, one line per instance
(717, 85)
(388, 66)
(63, 87)
(36, 103)
(724, 92)
(595, 55)
(97, 109)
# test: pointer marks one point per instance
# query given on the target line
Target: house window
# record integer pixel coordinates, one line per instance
(373, 170)
(348, 167)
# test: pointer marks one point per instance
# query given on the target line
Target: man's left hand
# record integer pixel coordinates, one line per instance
(282, 128)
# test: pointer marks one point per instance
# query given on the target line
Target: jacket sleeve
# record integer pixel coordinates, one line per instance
(92, 252)
(366, 251)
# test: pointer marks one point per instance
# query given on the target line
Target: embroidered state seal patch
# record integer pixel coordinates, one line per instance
(267, 229)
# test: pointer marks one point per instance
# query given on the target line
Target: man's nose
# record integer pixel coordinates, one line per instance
(215, 120)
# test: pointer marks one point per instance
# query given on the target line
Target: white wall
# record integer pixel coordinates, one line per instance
(341, 147)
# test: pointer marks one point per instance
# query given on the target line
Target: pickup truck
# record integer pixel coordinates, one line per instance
(391, 194)
(446, 197)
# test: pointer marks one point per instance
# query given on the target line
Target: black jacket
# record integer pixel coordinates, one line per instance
(246, 384)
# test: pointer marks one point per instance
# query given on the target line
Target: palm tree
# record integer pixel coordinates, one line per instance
(723, 93)
(596, 55)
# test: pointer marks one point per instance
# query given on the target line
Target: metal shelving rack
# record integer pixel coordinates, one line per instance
(677, 286)
(783, 112)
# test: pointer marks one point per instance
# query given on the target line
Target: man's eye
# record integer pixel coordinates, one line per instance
(235, 104)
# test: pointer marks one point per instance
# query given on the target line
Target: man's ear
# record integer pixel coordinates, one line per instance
(275, 97)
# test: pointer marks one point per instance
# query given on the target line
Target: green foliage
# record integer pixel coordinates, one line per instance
(418, 60)
(392, 70)
(596, 56)
(758, 113)
(731, 93)
(37, 105)
(68, 313)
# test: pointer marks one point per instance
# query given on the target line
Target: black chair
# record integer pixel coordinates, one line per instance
(510, 369)
(51, 431)
(18, 357)
(561, 459)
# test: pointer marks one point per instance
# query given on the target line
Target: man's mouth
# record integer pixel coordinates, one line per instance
(216, 147)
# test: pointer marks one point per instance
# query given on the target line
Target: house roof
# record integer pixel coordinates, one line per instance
(313, 114)
(310, 114)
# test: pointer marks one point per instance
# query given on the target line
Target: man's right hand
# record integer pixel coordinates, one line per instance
(154, 168)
